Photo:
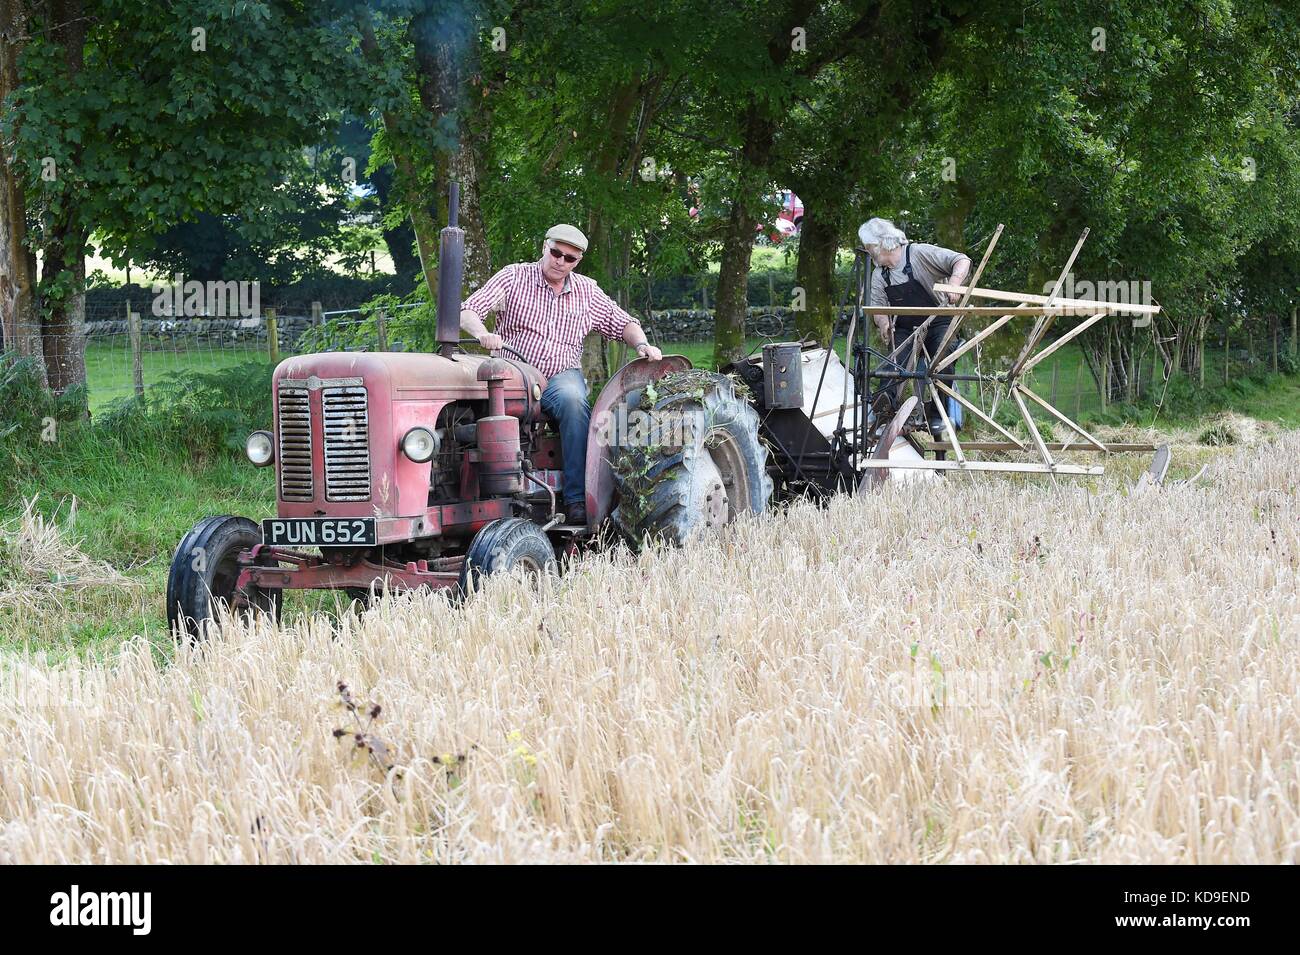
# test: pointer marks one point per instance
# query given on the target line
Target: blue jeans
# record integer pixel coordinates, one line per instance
(565, 400)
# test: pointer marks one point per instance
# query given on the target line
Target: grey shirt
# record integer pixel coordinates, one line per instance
(930, 264)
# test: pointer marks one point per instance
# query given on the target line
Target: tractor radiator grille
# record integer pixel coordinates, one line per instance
(294, 429)
(347, 443)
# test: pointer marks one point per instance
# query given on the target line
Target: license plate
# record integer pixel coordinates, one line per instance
(319, 531)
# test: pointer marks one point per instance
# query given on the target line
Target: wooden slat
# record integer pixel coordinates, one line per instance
(947, 425)
(993, 327)
(969, 406)
(1030, 311)
(1061, 418)
(1033, 428)
(1079, 304)
(1009, 466)
(1073, 333)
(1051, 446)
(974, 281)
(1043, 324)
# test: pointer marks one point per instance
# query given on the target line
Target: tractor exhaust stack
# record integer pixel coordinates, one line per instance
(451, 274)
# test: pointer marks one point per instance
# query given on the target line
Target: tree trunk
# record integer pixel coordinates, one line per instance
(815, 274)
(610, 246)
(442, 39)
(407, 178)
(733, 280)
(1200, 355)
(63, 271)
(758, 132)
(19, 322)
(63, 331)
(465, 166)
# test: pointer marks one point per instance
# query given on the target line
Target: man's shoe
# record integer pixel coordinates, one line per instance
(576, 513)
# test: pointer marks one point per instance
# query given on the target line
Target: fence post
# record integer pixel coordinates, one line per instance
(272, 337)
(316, 316)
(1295, 339)
(381, 329)
(1227, 354)
(137, 359)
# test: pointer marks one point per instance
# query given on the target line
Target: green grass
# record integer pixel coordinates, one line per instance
(132, 510)
(110, 372)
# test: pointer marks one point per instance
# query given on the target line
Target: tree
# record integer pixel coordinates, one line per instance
(124, 119)
(19, 320)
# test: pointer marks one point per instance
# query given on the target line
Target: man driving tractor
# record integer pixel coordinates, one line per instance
(544, 311)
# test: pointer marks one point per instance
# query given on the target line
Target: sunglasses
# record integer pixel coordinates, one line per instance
(563, 255)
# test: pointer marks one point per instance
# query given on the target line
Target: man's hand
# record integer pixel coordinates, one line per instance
(646, 350)
(490, 342)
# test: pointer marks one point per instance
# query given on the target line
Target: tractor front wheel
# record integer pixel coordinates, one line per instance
(508, 545)
(204, 571)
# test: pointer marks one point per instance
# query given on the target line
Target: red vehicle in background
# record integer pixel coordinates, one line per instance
(787, 222)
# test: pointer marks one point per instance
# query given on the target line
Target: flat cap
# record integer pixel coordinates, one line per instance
(568, 235)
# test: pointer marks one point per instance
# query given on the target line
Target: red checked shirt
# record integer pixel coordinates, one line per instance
(546, 328)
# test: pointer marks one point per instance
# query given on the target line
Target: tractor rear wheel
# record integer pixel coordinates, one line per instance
(511, 544)
(204, 571)
(701, 463)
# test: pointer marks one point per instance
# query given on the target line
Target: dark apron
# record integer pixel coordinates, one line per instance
(912, 293)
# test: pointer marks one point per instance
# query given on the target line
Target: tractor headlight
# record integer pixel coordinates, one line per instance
(260, 448)
(420, 445)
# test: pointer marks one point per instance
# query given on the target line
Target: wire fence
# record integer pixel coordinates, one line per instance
(124, 354)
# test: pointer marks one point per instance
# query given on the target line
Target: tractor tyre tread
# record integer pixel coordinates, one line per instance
(662, 489)
(500, 544)
(189, 589)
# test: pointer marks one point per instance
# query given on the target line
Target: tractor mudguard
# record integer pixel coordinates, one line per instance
(600, 472)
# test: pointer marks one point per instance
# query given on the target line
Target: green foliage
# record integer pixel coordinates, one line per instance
(201, 412)
(1218, 434)
(29, 414)
(410, 325)
(214, 129)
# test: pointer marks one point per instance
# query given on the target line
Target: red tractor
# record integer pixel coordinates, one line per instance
(431, 470)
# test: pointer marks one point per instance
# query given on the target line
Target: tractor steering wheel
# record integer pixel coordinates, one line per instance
(498, 351)
(470, 341)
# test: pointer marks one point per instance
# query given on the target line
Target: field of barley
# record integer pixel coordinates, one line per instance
(969, 671)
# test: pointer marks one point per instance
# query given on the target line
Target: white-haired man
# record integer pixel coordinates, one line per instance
(905, 274)
(544, 311)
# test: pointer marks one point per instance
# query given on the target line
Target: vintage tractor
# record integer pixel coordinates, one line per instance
(431, 470)
(405, 470)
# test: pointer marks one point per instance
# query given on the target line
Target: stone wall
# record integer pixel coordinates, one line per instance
(215, 331)
(667, 325)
